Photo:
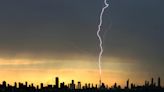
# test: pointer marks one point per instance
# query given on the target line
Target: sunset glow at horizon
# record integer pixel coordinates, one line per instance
(41, 71)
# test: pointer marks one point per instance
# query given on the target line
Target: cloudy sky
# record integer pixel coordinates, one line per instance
(41, 39)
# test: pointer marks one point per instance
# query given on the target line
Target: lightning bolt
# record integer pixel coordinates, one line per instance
(99, 37)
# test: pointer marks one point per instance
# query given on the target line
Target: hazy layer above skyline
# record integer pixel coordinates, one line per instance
(61, 34)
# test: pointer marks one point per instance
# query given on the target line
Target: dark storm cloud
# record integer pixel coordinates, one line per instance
(69, 26)
(137, 33)
(55, 25)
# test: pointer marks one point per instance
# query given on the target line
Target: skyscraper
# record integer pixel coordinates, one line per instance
(26, 84)
(79, 85)
(41, 85)
(100, 83)
(152, 82)
(4, 83)
(57, 82)
(127, 84)
(159, 82)
(72, 85)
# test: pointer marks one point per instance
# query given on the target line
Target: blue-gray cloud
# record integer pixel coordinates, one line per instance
(69, 26)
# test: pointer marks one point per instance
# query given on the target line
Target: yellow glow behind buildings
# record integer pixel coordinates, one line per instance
(40, 71)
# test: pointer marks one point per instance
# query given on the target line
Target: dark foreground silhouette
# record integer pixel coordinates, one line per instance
(72, 87)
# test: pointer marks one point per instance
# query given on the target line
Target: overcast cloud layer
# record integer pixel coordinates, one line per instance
(61, 28)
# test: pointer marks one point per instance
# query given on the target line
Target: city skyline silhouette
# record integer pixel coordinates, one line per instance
(149, 86)
(81, 41)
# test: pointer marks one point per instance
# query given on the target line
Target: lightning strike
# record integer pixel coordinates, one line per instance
(99, 37)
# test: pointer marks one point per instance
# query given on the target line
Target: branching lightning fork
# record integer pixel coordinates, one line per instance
(99, 37)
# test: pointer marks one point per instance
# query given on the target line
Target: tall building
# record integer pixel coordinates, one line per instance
(86, 86)
(32, 85)
(37, 87)
(41, 85)
(115, 85)
(92, 85)
(62, 85)
(152, 82)
(57, 82)
(79, 85)
(26, 84)
(15, 84)
(146, 83)
(127, 84)
(159, 82)
(100, 84)
(4, 83)
(72, 85)
(89, 85)
(96, 86)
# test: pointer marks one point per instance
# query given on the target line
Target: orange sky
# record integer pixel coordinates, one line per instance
(37, 71)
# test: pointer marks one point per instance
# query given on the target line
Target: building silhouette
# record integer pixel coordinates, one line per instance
(159, 82)
(79, 85)
(152, 82)
(72, 85)
(57, 82)
(127, 84)
(88, 87)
